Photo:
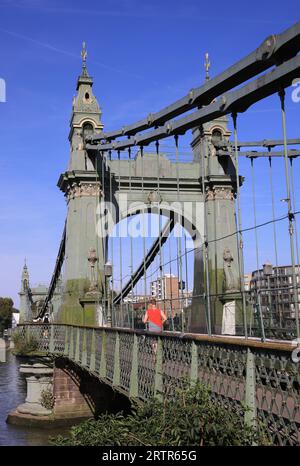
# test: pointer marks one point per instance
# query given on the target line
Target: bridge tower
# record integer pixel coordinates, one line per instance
(82, 189)
(222, 259)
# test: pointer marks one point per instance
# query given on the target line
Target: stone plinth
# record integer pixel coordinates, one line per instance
(32, 404)
(2, 350)
(36, 369)
(39, 379)
(89, 304)
(232, 316)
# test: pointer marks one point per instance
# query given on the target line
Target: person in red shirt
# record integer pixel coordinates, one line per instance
(155, 317)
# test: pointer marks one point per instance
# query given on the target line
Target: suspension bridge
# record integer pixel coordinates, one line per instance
(237, 340)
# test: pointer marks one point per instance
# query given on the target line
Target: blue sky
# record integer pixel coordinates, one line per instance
(143, 55)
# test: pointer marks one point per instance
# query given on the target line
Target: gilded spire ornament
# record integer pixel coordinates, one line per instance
(207, 66)
(84, 57)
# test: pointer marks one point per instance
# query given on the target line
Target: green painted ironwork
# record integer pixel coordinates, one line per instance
(250, 414)
(84, 350)
(158, 354)
(92, 365)
(133, 388)
(102, 370)
(77, 349)
(259, 375)
(67, 341)
(116, 377)
(51, 342)
(194, 363)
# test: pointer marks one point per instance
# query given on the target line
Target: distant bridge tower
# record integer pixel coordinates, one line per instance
(32, 298)
(82, 190)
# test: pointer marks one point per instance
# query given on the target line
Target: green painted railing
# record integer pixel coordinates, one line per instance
(261, 375)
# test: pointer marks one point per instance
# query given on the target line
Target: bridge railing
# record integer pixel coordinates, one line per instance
(238, 371)
(276, 321)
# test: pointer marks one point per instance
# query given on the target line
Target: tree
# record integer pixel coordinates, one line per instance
(6, 312)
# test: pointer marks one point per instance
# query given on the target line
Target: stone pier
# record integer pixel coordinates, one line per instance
(39, 380)
(2, 350)
(75, 394)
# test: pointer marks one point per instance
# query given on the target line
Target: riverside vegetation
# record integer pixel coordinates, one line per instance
(6, 311)
(24, 346)
(190, 417)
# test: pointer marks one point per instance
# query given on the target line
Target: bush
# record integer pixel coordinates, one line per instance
(24, 345)
(190, 418)
(47, 399)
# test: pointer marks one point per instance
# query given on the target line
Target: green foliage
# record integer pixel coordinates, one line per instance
(47, 399)
(24, 345)
(6, 312)
(190, 418)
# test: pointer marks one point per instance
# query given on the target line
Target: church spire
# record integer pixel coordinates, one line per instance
(25, 277)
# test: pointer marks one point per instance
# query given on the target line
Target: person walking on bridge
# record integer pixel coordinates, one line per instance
(155, 317)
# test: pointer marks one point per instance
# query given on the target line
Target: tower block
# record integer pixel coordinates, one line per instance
(81, 185)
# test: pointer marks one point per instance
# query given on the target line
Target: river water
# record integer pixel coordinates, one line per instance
(12, 394)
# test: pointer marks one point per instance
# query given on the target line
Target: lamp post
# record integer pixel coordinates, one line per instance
(92, 259)
(268, 271)
(258, 305)
(107, 275)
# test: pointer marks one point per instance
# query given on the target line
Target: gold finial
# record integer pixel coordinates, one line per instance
(83, 52)
(207, 66)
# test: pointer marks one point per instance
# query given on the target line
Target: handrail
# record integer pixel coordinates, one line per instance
(252, 342)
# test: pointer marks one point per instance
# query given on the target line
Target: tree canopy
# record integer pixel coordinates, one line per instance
(6, 311)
